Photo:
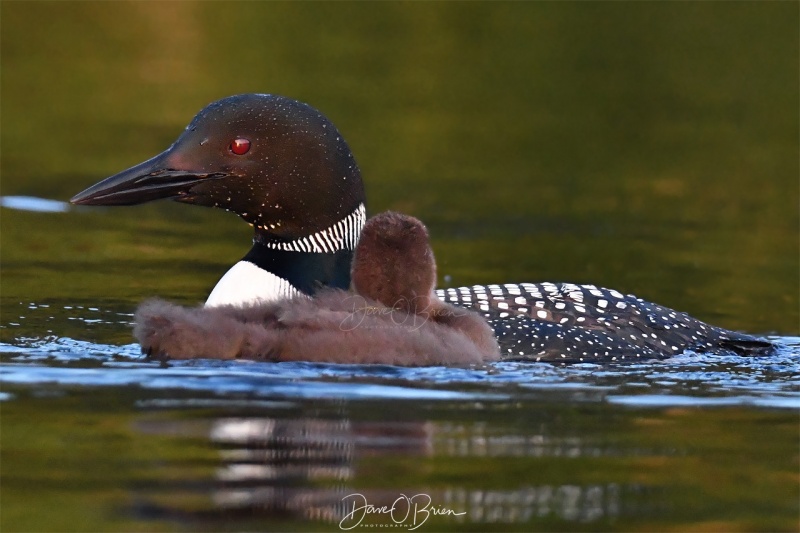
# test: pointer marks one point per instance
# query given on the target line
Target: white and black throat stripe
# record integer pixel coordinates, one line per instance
(341, 236)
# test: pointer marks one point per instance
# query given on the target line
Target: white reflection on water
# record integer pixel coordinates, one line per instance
(31, 203)
(309, 467)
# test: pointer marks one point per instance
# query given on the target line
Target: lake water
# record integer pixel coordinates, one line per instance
(651, 148)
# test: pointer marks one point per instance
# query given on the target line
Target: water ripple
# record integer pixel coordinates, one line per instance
(687, 379)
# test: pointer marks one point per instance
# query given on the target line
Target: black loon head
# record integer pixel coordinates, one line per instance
(277, 163)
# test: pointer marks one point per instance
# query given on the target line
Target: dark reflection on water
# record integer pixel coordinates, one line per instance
(271, 466)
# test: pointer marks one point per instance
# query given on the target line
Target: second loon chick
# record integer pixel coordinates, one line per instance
(284, 168)
(393, 318)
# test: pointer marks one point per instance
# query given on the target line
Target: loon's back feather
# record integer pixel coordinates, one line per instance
(568, 322)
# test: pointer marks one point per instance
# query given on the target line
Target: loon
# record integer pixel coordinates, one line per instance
(392, 317)
(285, 168)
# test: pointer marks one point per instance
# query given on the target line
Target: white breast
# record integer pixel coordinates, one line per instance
(245, 283)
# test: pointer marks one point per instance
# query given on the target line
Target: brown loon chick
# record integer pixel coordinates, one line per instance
(393, 317)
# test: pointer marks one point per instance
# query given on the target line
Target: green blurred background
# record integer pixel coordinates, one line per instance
(650, 147)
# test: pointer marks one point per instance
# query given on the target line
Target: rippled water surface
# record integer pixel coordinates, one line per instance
(118, 442)
(652, 148)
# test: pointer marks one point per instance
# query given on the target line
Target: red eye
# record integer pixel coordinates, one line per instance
(240, 146)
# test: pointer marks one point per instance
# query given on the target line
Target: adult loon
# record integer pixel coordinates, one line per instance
(392, 317)
(285, 168)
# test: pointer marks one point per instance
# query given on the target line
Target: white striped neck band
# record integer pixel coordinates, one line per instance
(341, 236)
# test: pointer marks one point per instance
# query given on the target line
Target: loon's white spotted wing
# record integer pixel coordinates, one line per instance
(569, 322)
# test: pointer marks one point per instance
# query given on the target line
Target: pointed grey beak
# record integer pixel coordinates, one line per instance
(152, 180)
